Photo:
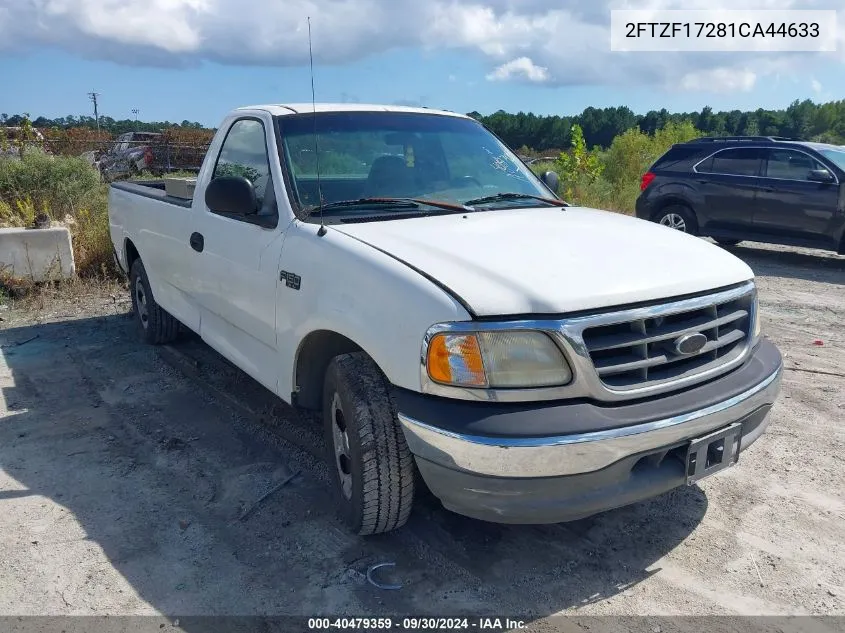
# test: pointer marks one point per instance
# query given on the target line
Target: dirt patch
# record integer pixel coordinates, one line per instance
(125, 471)
(24, 303)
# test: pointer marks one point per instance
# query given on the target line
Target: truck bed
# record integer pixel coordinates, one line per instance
(151, 189)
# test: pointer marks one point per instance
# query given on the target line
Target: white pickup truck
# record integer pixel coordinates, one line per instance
(459, 326)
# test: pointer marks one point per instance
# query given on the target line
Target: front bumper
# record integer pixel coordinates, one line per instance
(512, 478)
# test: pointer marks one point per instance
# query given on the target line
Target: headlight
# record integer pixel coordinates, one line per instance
(504, 359)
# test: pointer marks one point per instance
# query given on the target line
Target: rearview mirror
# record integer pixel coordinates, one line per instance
(551, 180)
(231, 194)
(398, 138)
(820, 175)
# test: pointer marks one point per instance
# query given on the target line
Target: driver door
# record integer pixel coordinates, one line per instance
(237, 261)
(789, 203)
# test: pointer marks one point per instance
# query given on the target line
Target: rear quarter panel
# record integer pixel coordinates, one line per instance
(160, 232)
(669, 189)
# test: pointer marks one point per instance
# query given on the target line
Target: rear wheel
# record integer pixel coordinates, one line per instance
(155, 325)
(678, 217)
(371, 468)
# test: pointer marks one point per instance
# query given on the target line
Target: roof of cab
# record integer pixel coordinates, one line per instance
(305, 108)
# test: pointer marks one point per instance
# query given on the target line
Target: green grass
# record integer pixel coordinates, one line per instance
(92, 245)
(66, 189)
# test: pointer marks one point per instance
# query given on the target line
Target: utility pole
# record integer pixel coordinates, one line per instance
(135, 112)
(93, 97)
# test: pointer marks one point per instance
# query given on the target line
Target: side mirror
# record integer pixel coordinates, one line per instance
(551, 180)
(231, 194)
(820, 175)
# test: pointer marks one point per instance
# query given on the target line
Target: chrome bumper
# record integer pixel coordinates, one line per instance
(583, 452)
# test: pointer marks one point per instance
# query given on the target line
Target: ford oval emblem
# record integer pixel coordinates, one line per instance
(690, 343)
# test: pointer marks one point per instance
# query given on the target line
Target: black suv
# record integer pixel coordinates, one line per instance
(759, 188)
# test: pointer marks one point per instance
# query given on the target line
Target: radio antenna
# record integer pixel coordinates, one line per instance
(322, 230)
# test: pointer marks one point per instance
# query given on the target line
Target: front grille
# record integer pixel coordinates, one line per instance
(639, 353)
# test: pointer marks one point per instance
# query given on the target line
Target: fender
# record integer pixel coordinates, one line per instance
(383, 306)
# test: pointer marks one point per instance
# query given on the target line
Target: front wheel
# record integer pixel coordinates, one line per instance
(678, 217)
(371, 468)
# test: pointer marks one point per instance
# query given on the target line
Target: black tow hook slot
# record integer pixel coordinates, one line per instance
(714, 452)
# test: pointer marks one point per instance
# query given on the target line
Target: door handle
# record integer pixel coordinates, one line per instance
(197, 242)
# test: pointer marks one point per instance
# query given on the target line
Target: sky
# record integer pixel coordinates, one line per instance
(197, 59)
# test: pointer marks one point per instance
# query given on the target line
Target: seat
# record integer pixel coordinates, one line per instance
(389, 177)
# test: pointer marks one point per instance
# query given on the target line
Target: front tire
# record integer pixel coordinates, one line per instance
(155, 325)
(678, 217)
(371, 468)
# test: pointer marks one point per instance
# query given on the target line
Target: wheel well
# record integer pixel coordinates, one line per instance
(315, 353)
(131, 255)
(671, 202)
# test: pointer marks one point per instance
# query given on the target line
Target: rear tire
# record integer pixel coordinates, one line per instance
(155, 325)
(677, 216)
(371, 468)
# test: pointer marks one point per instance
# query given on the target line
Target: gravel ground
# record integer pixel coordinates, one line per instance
(125, 472)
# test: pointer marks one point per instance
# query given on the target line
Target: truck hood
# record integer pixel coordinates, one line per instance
(552, 260)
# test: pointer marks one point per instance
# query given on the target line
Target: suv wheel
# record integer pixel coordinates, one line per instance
(677, 217)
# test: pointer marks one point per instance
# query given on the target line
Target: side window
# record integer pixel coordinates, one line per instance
(676, 157)
(743, 161)
(244, 153)
(790, 165)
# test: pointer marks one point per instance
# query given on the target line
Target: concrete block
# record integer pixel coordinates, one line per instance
(180, 187)
(36, 254)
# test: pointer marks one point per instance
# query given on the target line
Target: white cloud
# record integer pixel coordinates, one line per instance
(719, 80)
(816, 85)
(555, 42)
(520, 68)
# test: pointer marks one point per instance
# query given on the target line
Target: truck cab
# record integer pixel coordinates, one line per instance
(458, 325)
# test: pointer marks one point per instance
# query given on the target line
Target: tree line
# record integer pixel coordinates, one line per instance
(806, 119)
(824, 122)
(107, 123)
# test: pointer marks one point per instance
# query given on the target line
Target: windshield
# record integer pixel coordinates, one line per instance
(400, 155)
(835, 155)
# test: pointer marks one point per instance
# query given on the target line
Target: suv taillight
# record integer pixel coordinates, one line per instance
(647, 178)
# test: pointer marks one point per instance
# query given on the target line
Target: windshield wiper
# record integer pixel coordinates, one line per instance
(514, 196)
(391, 202)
